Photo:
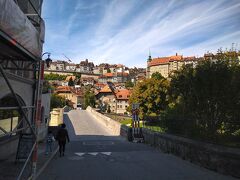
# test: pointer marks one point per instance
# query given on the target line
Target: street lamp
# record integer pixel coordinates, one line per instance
(48, 60)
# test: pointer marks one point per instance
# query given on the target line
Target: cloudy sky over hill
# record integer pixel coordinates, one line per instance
(123, 31)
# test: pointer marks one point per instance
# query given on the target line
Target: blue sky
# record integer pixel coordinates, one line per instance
(123, 31)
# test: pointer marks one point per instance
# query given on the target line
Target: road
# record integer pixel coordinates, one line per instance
(94, 154)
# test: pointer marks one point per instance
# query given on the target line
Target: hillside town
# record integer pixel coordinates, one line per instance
(112, 84)
(151, 90)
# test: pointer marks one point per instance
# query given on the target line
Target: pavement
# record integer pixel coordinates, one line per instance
(95, 154)
(9, 170)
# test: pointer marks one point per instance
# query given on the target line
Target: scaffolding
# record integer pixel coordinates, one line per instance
(21, 58)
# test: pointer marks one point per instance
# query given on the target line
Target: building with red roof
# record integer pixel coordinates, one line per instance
(118, 77)
(167, 65)
(74, 95)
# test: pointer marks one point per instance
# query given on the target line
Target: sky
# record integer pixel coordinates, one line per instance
(125, 31)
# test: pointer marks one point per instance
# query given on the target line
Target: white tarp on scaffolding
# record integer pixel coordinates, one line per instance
(14, 23)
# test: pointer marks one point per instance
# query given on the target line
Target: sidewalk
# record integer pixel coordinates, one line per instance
(9, 170)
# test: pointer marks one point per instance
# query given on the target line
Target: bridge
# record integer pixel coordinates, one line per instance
(95, 153)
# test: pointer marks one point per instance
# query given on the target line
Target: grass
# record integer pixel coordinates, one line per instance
(128, 121)
(155, 128)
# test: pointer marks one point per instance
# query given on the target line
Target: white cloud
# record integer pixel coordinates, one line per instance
(163, 26)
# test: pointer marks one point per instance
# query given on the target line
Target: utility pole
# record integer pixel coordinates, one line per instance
(38, 105)
(38, 115)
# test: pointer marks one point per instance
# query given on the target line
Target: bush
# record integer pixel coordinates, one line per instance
(57, 101)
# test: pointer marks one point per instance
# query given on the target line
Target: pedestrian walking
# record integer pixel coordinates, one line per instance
(49, 141)
(62, 137)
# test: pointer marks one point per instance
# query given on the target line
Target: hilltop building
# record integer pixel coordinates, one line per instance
(167, 65)
(74, 95)
(85, 67)
(113, 77)
(117, 99)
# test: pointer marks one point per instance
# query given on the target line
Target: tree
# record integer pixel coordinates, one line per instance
(129, 84)
(70, 82)
(77, 75)
(52, 76)
(207, 98)
(89, 99)
(157, 76)
(151, 94)
(57, 101)
(108, 109)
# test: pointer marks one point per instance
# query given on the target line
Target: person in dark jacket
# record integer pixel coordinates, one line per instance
(62, 137)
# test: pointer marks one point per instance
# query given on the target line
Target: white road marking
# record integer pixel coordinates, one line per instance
(92, 153)
(106, 153)
(79, 154)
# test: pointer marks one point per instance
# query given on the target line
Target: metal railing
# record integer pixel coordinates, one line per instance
(26, 172)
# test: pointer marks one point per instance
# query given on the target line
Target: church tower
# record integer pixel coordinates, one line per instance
(148, 65)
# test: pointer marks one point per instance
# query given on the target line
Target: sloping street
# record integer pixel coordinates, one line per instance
(94, 154)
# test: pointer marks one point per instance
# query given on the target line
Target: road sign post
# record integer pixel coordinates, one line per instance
(136, 130)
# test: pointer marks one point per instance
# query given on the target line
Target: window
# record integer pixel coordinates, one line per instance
(10, 119)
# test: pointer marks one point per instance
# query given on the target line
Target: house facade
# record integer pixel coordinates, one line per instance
(167, 65)
(75, 96)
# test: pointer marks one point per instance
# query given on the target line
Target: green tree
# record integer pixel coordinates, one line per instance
(151, 94)
(70, 82)
(157, 76)
(52, 76)
(89, 99)
(78, 75)
(108, 109)
(129, 84)
(206, 98)
(57, 101)
(47, 87)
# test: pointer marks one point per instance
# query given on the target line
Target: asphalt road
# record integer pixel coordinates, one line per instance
(94, 154)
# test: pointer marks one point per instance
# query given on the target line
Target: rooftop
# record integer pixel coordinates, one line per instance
(166, 60)
(123, 94)
(106, 89)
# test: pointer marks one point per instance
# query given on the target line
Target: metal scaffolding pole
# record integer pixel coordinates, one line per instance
(17, 100)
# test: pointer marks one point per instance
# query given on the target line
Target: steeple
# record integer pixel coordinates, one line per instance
(149, 56)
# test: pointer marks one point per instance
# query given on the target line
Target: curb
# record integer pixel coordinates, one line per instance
(46, 163)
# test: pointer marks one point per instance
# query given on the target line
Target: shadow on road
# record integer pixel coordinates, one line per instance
(74, 136)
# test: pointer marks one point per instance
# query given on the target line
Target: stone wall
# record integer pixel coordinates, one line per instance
(110, 124)
(218, 158)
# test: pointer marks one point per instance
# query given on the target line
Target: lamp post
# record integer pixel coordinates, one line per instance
(38, 108)
(48, 60)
